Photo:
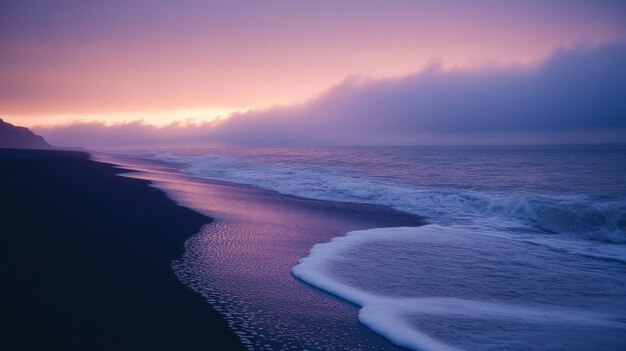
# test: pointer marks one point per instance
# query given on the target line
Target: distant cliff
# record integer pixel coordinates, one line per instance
(20, 137)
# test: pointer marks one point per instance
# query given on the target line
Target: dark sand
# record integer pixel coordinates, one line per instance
(85, 261)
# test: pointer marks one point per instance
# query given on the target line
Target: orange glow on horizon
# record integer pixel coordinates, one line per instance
(185, 116)
(162, 63)
(155, 118)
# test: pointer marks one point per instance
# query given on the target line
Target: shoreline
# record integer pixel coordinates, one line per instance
(242, 262)
(85, 260)
(132, 253)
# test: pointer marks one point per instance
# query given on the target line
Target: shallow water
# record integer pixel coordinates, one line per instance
(241, 263)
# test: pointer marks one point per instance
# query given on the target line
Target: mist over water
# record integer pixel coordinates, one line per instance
(525, 248)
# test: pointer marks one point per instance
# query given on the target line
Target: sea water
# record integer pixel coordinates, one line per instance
(525, 246)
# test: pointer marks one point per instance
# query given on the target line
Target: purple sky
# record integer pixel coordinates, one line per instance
(344, 72)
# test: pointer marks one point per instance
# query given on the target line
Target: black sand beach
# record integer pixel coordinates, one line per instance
(85, 261)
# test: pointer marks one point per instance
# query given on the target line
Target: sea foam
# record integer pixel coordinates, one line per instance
(420, 285)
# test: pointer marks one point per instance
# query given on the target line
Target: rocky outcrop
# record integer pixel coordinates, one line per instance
(20, 138)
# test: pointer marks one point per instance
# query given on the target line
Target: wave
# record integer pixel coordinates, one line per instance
(444, 287)
(579, 216)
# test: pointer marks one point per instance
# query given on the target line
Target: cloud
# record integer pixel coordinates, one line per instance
(61, 58)
(577, 95)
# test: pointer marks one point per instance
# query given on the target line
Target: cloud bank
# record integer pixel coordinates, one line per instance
(577, 95)
(61, 58)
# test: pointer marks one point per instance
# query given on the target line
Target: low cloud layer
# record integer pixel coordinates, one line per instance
(578, 95)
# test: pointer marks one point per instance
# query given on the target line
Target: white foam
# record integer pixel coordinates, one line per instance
(389, 316)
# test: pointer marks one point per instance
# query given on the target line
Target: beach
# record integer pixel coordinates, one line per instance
(208, 250)
(95, 257)
(85, 261)
(313, 175)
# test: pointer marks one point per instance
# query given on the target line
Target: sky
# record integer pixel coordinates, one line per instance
(320, 72)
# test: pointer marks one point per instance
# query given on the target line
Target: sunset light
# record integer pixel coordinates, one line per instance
(320, 175)
(92, 61)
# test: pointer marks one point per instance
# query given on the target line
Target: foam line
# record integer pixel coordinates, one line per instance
(388, 315)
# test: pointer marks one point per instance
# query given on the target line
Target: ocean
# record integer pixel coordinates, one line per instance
(524, 247)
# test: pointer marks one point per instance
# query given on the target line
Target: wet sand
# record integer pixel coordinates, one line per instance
(241, 263)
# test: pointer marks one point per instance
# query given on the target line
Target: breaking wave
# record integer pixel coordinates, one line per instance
(582, 216)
